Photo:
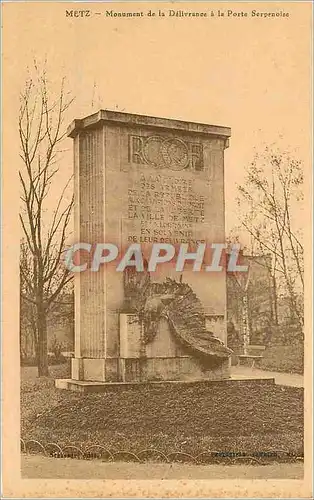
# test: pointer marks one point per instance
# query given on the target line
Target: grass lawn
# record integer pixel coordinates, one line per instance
(283, 358)
(192, 419)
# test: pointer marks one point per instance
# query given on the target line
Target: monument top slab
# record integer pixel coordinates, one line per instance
(116, 117)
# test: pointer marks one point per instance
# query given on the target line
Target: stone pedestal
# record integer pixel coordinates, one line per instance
(162, 359)
(143, 179)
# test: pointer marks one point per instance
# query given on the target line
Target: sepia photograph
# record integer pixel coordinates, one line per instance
(157, 259)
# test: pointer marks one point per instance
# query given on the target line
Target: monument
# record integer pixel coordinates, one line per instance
(141, 179)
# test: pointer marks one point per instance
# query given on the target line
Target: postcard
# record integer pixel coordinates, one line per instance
(156, 256)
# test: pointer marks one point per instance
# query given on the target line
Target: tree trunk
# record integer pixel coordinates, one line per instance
(42, 341)
(294, 310)
(245, 323)
(275, 301)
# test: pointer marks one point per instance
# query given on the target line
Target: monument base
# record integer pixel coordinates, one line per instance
(183, 368)
(179, 368)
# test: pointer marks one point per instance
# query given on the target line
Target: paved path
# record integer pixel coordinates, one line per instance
(34, 466)
(290, 379)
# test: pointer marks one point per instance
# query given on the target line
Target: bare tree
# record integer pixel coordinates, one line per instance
(41, 130)
(28, 326)
(270, 203)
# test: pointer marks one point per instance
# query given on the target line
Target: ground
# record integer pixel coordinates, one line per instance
(250, 419)
(52, 468)
(281, 378)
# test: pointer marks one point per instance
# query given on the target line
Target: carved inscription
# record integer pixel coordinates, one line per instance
(166, 152)
(166, 209)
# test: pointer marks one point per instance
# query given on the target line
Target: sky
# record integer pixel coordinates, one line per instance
(252, 75)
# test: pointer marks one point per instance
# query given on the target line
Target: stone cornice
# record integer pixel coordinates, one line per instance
(129, 119)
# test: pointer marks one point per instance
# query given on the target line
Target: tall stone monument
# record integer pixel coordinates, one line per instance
(141, 179)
